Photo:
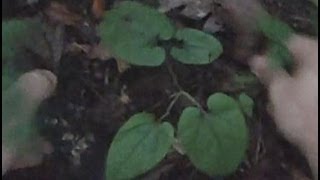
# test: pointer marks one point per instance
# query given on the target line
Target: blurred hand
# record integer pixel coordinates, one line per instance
(294, 99)
(21, 144)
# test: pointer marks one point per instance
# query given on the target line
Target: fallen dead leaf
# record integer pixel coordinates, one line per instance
(97, 52)
(100, 52)
(58, 13)
(77, 48)
(98, 8)
(122, 65)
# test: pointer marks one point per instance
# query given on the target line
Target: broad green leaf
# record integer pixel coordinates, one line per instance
(138, 146)
(8, 77)
(279, 57)
(215, 142)
(14, 35)
(274, 29)
(278, 33)
(244, 79)
(198, 47)
(246, 103)
(131, 31)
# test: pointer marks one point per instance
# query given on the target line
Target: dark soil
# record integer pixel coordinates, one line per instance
(89, 106)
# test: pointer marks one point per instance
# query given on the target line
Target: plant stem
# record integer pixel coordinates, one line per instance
(176, 97)
(194, 101)
(182, 92)
(174, 77)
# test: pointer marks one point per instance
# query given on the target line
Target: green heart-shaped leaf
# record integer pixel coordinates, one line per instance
(278, 33)
(138, 146)
(198, 47)
(131, 31)
(246, 103)
(279, 57)
(14, 33)
(273, 28)
(215, 142)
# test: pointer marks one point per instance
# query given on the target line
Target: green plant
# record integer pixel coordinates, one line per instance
(15, 33)
(197, 47)
(139, 145)
(278, 34)
(214, 140)
(246, 104)
(139, 35)
(19, 129)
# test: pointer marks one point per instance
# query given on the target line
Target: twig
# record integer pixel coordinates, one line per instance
(176, 97)
(182, 92)
(194, 101)
(174, 77)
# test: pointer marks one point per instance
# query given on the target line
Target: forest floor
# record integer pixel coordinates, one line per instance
(94, 98)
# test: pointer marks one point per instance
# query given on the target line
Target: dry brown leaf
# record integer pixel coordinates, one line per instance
(122, 65)
(124, 97)
(76, 48)
(60, 14)
(99, 52)
(98, 8)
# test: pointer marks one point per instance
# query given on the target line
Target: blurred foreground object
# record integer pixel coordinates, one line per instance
(294, 98)
(21, 144)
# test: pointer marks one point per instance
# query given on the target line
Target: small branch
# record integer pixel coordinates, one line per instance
(182, 92)
(194, 101)
(174, 77)
(176, 97)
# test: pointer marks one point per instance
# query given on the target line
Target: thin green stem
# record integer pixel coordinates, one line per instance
(182, 92)
(193, 100)
(167, 113)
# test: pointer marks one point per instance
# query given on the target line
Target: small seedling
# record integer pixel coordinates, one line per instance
(214, 140)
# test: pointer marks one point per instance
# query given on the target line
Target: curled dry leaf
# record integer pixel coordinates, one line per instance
(97, 52)
(98, 8)
(122, 65)
(58, 13)
(77, 48)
